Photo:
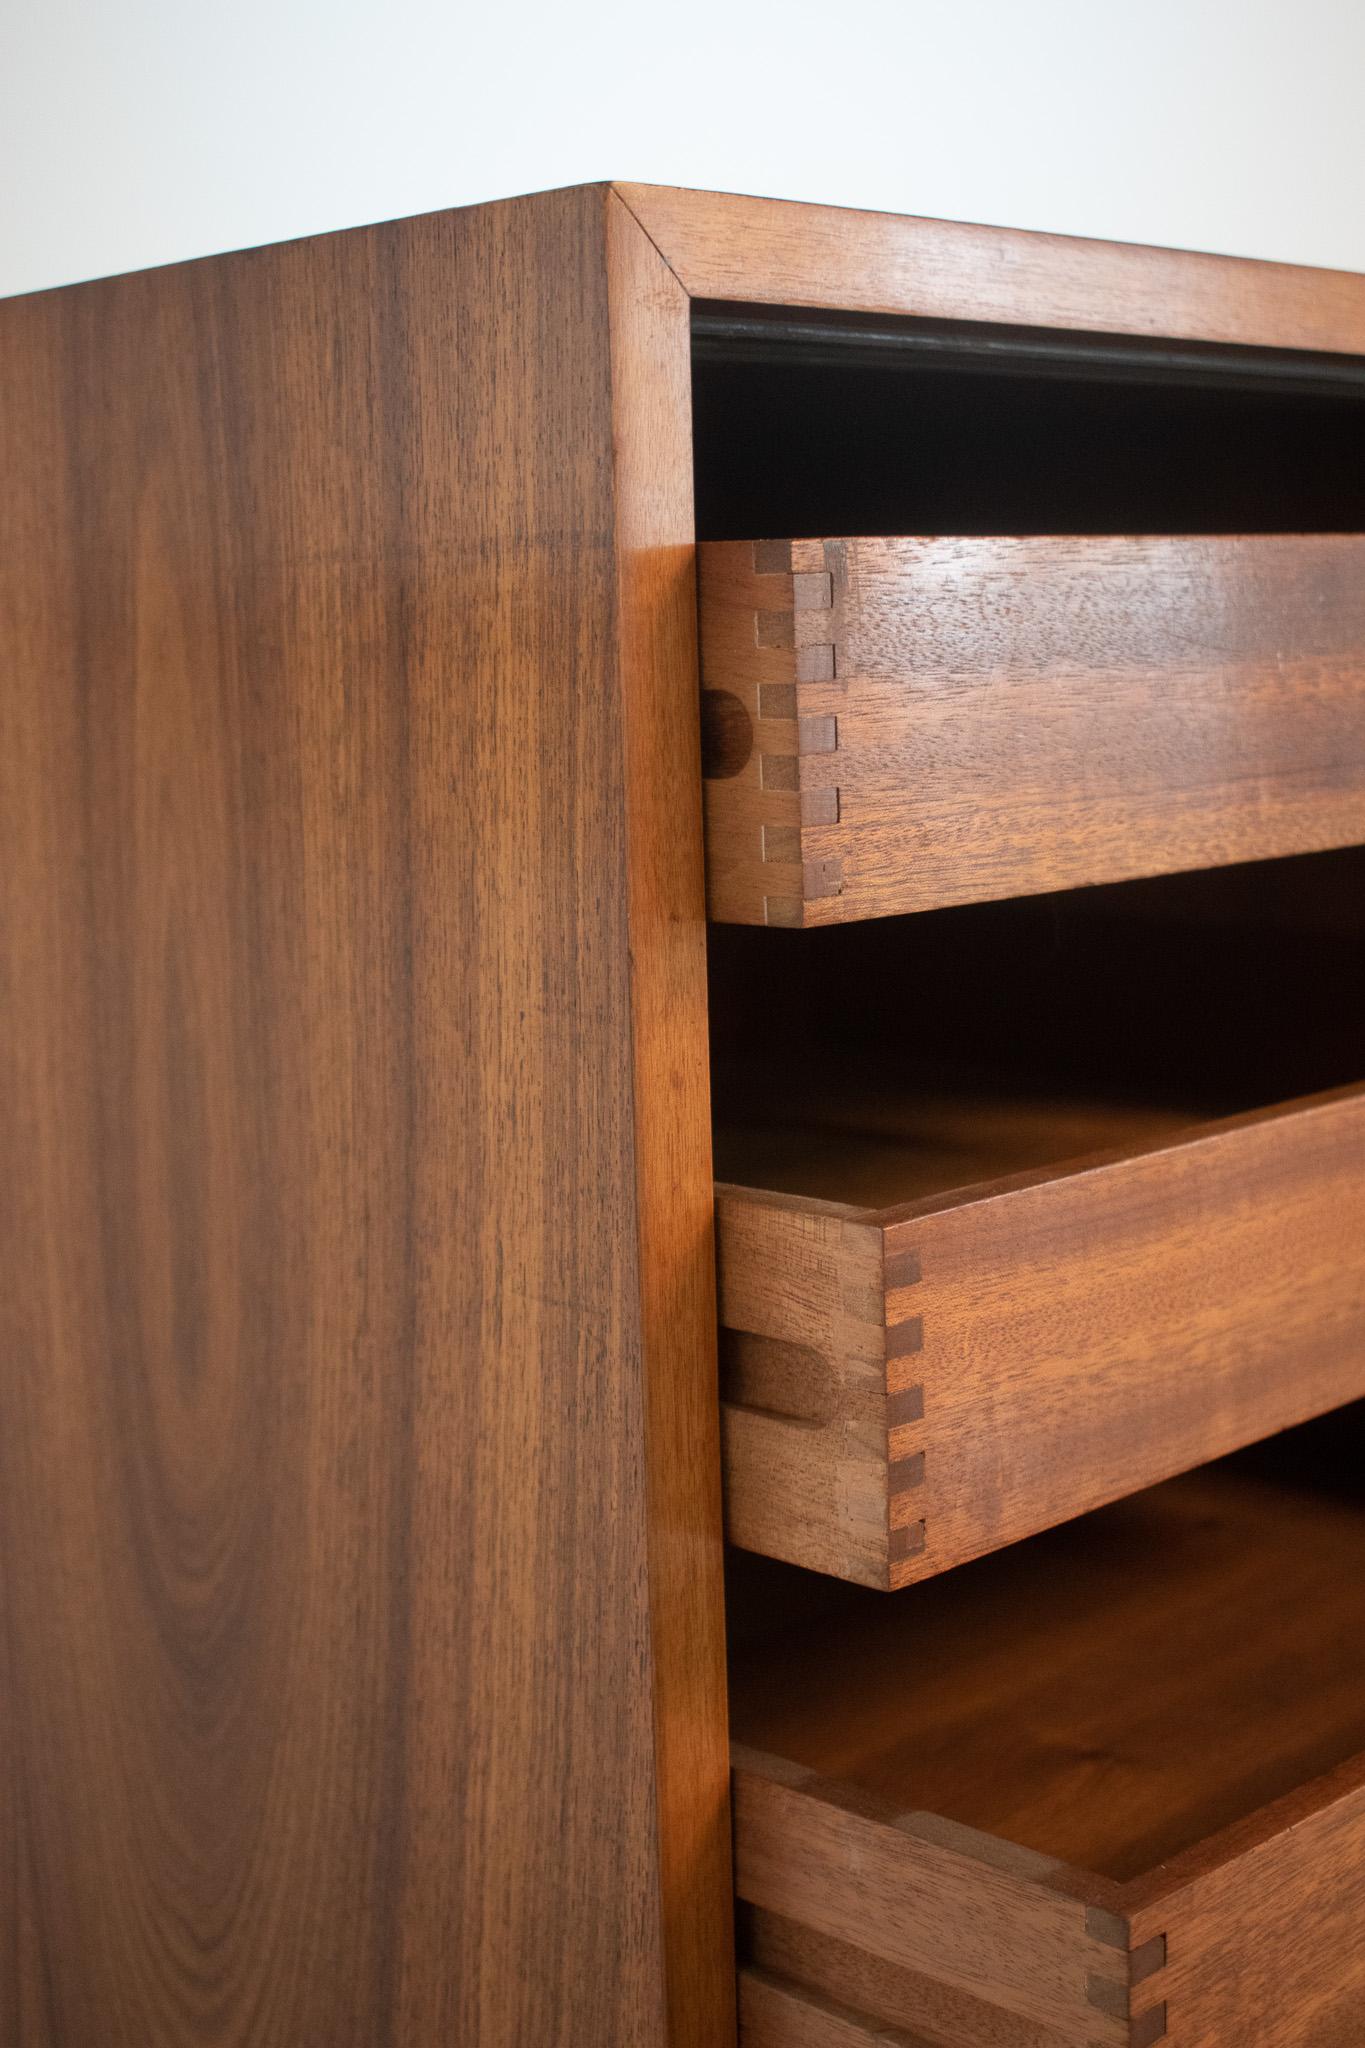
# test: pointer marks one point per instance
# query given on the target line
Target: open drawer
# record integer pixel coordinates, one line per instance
(899, 724)
(952, 1319)
(1106, 1788)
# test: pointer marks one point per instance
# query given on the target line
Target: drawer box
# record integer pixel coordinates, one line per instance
(900, 724)
(1100, 1791)
(990, 1333)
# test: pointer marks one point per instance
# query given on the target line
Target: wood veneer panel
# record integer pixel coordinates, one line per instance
(908, 1388)
(343, 1652)
(915, 723)
(767, 251)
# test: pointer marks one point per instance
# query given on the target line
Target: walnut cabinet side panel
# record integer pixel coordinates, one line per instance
(349, 1614)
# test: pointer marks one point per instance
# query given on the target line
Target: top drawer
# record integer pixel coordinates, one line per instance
(899, 724)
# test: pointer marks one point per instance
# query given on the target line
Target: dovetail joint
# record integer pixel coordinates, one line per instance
(907, 1533)
(803, 626)
(1115, 1997)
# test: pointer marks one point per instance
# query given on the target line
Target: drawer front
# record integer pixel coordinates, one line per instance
(895, 725)
(907, 1390)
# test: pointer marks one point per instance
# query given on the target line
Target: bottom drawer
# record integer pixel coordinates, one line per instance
(1105, 1788)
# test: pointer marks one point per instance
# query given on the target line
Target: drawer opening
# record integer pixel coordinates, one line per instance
(1110, 1693)
(900, 1059)
(1104, 1787)
(805, 424)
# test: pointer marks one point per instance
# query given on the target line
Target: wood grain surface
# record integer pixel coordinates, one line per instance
(1263, 1923)
(360, 1649)
(891, 2003)
(775, 2014)
(723, 245)
(1166, 1697)
(657, 680)
(952, 1376)
(948, 721)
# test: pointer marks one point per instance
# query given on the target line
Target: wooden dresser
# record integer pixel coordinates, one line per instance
(620, 765)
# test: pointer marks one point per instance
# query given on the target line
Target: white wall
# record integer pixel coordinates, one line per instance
(135, 132)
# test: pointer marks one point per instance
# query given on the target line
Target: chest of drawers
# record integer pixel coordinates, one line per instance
(365, 785)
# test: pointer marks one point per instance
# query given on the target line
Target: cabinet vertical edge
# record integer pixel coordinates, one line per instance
(650, 336)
